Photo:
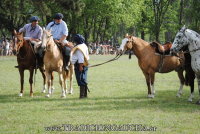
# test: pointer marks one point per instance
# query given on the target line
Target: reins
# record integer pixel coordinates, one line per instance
(191, 50)
(113, 59)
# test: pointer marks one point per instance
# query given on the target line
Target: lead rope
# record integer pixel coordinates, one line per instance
(113, 59)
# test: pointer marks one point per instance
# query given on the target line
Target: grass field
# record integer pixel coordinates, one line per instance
(118, 97)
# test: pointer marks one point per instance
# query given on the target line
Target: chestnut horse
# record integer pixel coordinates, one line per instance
(26, 60)
(150, 63)
(53, 61)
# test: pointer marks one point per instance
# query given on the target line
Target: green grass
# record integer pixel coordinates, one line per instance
(118, 96)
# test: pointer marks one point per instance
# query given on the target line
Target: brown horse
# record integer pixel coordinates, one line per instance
(26, 60)
(53, 61)
(150, 63)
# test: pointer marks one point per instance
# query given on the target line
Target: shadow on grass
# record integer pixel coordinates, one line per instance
(165, 101)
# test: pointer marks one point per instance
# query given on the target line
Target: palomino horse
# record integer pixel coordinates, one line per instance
(26, 59)
(53, 61)
(150, 63)
(190, 38)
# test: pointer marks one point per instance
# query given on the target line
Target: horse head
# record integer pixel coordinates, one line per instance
(18, 41)
(47, 39)
(126, 44)
(181, 39)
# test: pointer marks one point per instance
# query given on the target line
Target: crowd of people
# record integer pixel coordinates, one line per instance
(6, 47)
(102, 48)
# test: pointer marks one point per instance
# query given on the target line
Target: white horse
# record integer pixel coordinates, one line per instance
(191, 38)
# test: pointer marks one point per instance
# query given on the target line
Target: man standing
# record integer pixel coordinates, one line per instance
(59, 31)
(80, 57)
(33, 33)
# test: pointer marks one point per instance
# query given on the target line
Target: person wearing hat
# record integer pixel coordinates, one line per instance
(59, 31)
(33, 33)
(80, 57)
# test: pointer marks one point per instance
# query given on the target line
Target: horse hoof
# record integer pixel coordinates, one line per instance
(178, 95)
(70, 92)
(47, 96)
(190, 100)
(31, 95)
(43, 91)
(150, 96)
(198, 102)
(63, 96)
(20, 94)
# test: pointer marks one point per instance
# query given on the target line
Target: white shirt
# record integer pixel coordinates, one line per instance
(32, 32)
(58, 30)
(78, 56)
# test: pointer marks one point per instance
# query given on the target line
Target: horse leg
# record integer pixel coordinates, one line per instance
(44, 80)
(52, 86)
(152, 78)
(64, 81)
(191, 83)
(61, 81)
(31, 82)
(71, 79)
(182, 81)
(21, 72)
(48, 78)
(198, 79)
(148, 81)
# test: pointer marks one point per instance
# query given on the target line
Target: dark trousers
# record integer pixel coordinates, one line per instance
(66, 51)
(66, 55)
(81, 77)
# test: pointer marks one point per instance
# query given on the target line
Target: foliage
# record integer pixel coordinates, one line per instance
(106, 20)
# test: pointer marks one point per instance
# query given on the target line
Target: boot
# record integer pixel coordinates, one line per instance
(82, 92)
(86, 89)
(40, 61)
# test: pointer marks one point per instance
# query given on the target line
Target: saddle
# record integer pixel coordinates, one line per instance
(161, 49)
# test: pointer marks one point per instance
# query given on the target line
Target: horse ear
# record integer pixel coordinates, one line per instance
(183, 28)
(20, 33)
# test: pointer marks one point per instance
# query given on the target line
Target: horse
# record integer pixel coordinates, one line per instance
(26, 60)
(190, 38)
(150, 63)
(189, 73)
(53, 61)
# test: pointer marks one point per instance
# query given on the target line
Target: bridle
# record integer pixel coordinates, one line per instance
(48, 37)
(187, 51)
(19, 45)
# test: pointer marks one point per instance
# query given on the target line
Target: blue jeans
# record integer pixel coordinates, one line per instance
(81, 77)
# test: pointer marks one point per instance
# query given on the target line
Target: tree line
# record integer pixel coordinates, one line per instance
(106, 20)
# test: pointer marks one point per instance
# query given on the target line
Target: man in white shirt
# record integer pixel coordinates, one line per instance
(80, 57)
(59, 31)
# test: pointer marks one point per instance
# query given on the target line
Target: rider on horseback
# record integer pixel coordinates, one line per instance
(33, 33)
(59, 31)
